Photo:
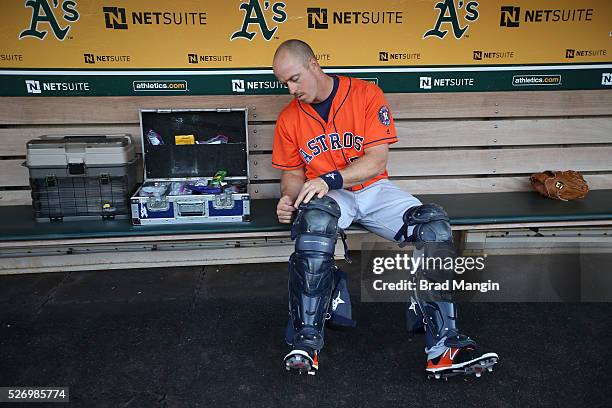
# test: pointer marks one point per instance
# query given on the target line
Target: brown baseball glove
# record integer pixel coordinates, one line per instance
(561, 185)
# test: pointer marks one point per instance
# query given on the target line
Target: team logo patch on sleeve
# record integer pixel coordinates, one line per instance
(384, 116)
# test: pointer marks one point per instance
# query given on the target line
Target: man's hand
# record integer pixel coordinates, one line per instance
(309, 189)
(284, 210)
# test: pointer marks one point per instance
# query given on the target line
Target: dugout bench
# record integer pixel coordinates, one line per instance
(472, 153)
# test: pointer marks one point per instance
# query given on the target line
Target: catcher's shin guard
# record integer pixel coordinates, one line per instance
(433, 239)
(311, 272)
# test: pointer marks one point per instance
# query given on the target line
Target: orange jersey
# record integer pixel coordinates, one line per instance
(359, 118)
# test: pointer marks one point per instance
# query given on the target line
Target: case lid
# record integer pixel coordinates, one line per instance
(91, 150)
(220, 137)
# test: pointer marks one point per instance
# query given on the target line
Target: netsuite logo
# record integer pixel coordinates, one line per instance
(254, 15)
(318, 17)
(480, 55)
(37, 87)
(448, 14)
(116, 18)
(241, 86)
(573, 53)
(44, 12)
(238, 85)
(92, 58)
(386, 56)
(606, 78)
(197, 58)
(33, 86)
(510, 16)
(429, 82)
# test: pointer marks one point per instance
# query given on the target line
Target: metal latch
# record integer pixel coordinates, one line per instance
(76, 168)
(158, 204)
(51, 181)
(223, 201)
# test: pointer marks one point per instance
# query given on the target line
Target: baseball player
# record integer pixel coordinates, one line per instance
(331, 143)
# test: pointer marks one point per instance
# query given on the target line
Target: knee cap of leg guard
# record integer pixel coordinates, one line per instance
(318, 216)
(433, 231)
(431, 224)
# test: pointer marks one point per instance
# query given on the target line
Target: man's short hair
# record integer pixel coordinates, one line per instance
(297, 48)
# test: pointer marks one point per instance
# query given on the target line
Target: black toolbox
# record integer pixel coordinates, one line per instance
(77, 177)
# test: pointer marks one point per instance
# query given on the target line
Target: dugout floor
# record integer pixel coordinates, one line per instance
(212, 337)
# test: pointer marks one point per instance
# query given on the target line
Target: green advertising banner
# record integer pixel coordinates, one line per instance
(156, 47)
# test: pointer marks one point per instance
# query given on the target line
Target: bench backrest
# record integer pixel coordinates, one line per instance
(449, 142)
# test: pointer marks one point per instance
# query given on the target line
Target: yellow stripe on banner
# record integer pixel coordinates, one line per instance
(157, 34)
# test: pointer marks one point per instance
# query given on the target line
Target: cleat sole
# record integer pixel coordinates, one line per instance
(300, 362)
(476, 367)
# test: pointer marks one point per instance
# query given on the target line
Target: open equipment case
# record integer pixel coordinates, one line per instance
(183, 151)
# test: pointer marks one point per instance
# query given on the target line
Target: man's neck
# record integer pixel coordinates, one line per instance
(327, 89)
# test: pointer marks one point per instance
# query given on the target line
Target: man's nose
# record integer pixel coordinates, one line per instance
(292, 88)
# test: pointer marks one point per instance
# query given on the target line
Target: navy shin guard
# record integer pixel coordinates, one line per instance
(432, 237)
(311, 272)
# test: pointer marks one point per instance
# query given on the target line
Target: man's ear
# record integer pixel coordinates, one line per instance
(313, 63)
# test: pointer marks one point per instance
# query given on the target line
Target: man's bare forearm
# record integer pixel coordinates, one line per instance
(368, 166)
(291, 183)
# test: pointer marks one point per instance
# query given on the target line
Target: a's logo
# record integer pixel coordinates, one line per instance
(510, 16)
(254, 14)
(384, 116)
(33, 86)
(192, 58)
(114, 17)
(43, 12)
(569, 53)
(237, 85)
(317, 18)
(606, 78)
(448, 15)
(383, 56)
(89, 58)
(425, 82)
